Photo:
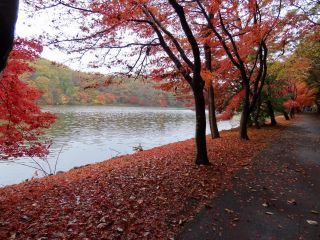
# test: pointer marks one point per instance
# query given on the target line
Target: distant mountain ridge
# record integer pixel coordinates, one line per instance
(61, 85)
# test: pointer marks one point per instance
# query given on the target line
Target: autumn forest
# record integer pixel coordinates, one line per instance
(255, 60)
(60, 85)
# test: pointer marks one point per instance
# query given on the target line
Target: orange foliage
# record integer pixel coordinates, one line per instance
(100, 98)
(110, 98)
(305, 96)
(64, 99)
(232, 106)
(82, 97)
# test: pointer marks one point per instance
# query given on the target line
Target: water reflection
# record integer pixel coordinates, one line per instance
(91, 134)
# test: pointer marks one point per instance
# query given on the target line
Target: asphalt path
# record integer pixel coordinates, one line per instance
(277, 197)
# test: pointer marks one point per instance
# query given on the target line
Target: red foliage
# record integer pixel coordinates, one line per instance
(147, 195)
(232, 106)
(21, 120)
(302, 97)
(291, 104)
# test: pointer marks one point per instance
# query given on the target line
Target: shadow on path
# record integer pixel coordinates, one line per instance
(278, 197)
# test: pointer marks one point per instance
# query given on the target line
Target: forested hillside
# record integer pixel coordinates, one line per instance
(61, 85)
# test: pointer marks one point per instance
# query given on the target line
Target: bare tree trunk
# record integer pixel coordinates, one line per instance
(292, 112)
(318, 101)
(8, 18)
(200, 136)
(196, 82)
(286, 116)
(271, 113)
(212, 114)
(245, 116)
(212, 107)
(257, 114)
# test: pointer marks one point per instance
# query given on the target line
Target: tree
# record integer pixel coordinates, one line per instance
(161, 38)
(274, 93)
(211, 96)
(309, 51)
(166, 39)
(286, 89)
(308, 10)
(245, 31)
(21, 120)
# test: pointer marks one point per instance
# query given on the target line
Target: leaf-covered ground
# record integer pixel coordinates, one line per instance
(147, 195)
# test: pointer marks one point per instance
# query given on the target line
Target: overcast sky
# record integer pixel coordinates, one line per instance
(40, 22)
(32, 27)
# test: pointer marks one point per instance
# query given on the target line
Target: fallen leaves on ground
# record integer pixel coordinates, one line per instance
(147, 195)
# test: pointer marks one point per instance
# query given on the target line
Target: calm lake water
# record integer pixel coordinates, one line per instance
(86, 135)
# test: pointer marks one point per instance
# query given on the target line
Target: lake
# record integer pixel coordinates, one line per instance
(89, 134)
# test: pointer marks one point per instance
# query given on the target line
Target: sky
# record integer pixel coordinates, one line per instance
(27, 27)
(39, 23)
(34, 24)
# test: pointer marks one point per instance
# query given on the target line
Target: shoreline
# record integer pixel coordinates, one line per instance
(101, 146)
(115, 105)
(108, 159)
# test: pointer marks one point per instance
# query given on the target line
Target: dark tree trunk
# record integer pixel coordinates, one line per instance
(212, 107)
(244, 124)
(201, 145)
(271, 113)
(291, 112)
(196, 82)
(245, 116)
(286, 116)
(8, 17)
(257, 114)
(318, 101)
(212, 114)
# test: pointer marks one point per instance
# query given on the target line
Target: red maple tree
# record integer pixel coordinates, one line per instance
(21, 120)
(245, 31)
(155, 38)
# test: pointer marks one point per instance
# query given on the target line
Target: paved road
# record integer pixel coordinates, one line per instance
(278, 197)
